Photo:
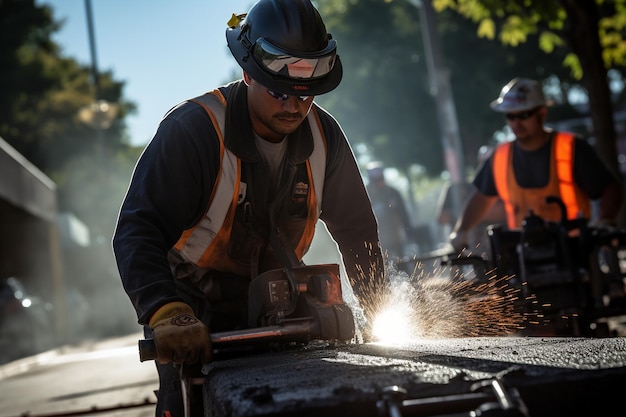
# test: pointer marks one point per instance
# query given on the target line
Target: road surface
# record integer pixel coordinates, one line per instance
(71, 379)
(553, 376)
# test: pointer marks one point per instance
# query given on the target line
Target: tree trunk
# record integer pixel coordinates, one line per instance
(581, 34)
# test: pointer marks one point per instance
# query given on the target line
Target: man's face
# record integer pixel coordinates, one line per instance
(274, 115)
(527, 125)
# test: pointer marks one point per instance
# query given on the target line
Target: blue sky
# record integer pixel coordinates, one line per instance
(165, 51)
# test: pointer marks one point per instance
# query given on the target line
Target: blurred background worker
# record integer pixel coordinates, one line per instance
(523, 172)
(395, 229)
(477, 239)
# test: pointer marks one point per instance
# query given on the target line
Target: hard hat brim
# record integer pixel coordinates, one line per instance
(290, 86)
(502, 106)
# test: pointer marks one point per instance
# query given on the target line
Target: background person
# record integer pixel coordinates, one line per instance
(524, 172)
(477, 238)
(394, 225)
(226, 169)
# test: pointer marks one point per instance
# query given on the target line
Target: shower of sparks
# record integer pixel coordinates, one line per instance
(442, 302)
(394, 321)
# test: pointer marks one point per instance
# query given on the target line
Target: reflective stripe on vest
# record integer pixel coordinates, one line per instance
(562, 158)
(196, 244)
(501, 160)
(565, 171)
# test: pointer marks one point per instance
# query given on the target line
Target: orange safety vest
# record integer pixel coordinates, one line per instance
(206, 244)
(518, 201)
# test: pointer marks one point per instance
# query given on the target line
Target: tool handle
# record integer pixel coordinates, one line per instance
(147, 350)
(301, 331)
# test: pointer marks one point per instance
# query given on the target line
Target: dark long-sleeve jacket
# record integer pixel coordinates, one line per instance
(173, 181)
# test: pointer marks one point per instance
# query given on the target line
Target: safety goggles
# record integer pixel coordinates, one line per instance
(285, 97)
(524, 115)
(305, 66)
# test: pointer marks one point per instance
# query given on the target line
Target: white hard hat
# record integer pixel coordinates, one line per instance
(518, 95)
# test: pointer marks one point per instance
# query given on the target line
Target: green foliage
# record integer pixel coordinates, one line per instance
(549, 41)
(487, 29)
(571, 61)
(611, 36)
(512, 21)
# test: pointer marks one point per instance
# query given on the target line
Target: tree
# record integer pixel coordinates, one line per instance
(42, 94)
(384, 99)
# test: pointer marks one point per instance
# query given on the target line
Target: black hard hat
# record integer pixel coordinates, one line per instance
(283, 44)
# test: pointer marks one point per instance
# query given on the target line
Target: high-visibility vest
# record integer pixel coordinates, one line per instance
(518, 201)
(206, 243)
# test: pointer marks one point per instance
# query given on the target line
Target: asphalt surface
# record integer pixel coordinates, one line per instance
(549, 377)
(552, 376)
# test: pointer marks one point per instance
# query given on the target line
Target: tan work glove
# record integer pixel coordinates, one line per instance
(179, 336)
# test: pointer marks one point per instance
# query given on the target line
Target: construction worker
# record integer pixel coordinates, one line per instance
(395, 228)
(229, 170)
(523, 172)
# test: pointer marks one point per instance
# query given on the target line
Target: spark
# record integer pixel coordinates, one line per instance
(391, 326)
(395, 318)
(444, 303)
(437, 301)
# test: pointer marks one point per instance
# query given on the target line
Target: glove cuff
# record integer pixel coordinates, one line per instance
(169, 310)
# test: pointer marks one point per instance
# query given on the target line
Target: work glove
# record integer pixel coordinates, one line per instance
(458, 241)
(179, 336)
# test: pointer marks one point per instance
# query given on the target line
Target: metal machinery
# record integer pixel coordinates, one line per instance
(296, 305)
(570, 276)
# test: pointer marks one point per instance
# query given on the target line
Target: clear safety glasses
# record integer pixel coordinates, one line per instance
(305, 66)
